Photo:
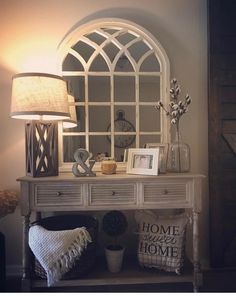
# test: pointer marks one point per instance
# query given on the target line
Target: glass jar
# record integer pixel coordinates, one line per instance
(178, 155)
(108, 166)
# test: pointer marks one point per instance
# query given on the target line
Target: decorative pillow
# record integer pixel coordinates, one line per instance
(161, 240)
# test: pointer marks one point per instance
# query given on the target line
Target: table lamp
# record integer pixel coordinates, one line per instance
(41, 99)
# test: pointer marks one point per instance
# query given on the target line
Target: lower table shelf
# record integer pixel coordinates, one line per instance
(130, 274)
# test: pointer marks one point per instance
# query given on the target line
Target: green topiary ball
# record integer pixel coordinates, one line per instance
(114, 223)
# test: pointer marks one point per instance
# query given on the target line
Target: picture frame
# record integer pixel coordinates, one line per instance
(143, 161)
(125, 157)
(163, 152)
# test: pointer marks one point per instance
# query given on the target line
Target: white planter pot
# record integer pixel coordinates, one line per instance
(114, 259)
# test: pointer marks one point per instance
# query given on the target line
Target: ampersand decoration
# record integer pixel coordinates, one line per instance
(81, 156)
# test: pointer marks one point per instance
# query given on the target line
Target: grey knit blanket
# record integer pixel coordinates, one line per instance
(57, 250)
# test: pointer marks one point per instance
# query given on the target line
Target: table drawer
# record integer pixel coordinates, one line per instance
(58, 194)
(115, 194)
(166, 192)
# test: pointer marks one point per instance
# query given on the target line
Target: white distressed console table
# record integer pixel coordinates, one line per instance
(109, 192)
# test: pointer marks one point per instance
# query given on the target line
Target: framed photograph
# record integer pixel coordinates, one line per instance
(163, 152)
(143, 161)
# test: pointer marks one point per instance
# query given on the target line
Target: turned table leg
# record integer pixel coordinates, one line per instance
(197, 281)
(26, 255)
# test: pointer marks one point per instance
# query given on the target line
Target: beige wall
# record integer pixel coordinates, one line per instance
(30, 33)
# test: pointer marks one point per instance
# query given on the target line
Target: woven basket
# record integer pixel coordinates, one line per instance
(66, 222)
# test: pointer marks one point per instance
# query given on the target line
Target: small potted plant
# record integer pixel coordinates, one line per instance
(114, 224)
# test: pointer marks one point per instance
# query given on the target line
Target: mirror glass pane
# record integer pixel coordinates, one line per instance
(80, 111)
(70, 145)
(149, 88)
(149, 119)
(123, 64)
(99, 64)
(138, 49)
(150, 64)
(84, 49)
(99, 145)
(72, 64)
(124, 89)
(95, 37)
(99, 88)
(77, 87)
(125, 37)
(111, 50)
(99, 118)
(125, 118)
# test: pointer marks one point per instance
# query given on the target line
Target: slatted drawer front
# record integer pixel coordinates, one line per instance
(121, 194)
(164, 192)
(56, 194)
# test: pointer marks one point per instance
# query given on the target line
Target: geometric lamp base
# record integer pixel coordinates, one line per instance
(41, 141)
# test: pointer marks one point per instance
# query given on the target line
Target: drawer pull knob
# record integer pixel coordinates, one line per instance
(165, 191)
(113, 193)
(59, 193)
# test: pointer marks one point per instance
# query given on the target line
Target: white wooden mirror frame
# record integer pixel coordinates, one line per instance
(140, 33)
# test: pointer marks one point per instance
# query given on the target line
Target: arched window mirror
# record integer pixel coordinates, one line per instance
(117, 71)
